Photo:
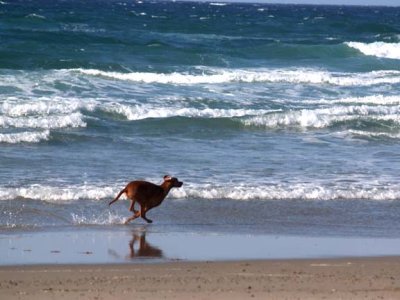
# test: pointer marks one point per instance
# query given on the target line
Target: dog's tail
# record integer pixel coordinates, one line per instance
(119, 195)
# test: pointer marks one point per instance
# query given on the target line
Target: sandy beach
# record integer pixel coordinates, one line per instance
(353, 278)
(156, 263)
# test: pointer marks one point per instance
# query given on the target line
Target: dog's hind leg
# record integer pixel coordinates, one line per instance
(135, 215)
(132, 206)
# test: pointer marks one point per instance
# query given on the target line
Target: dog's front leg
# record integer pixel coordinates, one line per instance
(143, 214)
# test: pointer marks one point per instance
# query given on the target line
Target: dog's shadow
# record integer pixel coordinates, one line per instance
(139, 247)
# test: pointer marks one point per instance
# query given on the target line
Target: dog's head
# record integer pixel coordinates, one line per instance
(173, 181)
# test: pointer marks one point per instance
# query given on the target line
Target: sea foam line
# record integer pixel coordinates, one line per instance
(24, 137)
(294, 191)
(374, 100)
(50, 122)
(140, 112)
(378, 49)
(324, 117)
(219, 76)
(29, 112)
(379, 108)
(44, 106)
(57, 194)
(14, 107)
(368, 134)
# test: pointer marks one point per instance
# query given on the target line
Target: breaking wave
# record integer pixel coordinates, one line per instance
(294, 191)
(24, 137)
(324, 117)
(140, 112)
(50, 122)
(219, 76)
(371, 135)
(378, 49)
(14, 107)
(59, 112)
(371, 100)
(57, 194)
(32, 121)
(290, 192)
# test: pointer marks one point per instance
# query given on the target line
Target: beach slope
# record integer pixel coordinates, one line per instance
(353, 278)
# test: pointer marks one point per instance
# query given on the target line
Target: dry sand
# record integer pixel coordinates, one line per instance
(353, 278)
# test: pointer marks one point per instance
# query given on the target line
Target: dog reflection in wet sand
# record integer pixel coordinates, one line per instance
(147, 194)
(145, 249)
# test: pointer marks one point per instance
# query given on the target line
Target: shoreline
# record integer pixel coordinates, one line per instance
(156, 262)
(158, 244)
(346, 278)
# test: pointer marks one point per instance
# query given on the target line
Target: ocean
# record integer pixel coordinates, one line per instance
(279, 119)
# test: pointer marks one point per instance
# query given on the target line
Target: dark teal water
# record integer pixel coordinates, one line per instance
(283, 117)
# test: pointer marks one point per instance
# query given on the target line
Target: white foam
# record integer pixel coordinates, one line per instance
(219, 76)
(50, 122)
(35, 16)
(322, 118)
(43, 106)
(262, 191)
(369, 134)
(27, 83)
(56, 194)
(43, 113)
(60, 112)
(171, 78)
(24, 137)
(289, 192)
(374, 99)
(378, 49)
(218, 4)
(139, 112)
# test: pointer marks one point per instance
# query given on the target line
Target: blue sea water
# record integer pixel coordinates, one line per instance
(278, 118)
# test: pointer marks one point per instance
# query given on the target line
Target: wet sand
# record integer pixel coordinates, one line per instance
(155, 244)
(156, 263)
(353, 278)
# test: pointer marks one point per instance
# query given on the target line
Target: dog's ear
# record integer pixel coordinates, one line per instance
(167, 177)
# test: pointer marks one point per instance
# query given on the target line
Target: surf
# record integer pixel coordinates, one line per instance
(223, 76)
(378, 49)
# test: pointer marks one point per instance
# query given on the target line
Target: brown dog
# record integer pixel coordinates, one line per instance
(147, 194)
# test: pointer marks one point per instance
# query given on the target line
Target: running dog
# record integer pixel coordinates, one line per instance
(147, 194)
